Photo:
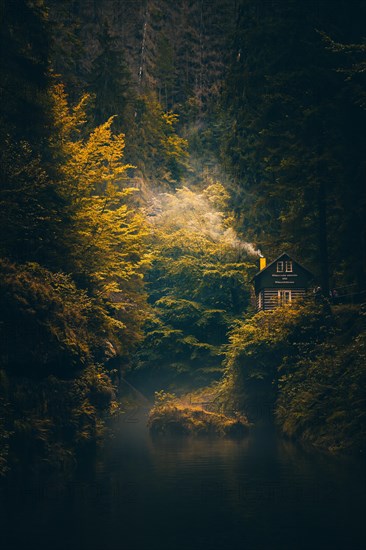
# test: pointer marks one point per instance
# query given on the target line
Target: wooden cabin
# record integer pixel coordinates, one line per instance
(282, 281)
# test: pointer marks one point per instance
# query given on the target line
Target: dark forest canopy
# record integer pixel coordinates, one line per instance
(274, 91)
(250, 113)
(296, 138)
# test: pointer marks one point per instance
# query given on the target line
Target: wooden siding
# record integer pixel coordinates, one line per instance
(268, 299)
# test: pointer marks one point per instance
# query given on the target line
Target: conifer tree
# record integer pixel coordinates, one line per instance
(290, 134)
(110, 81)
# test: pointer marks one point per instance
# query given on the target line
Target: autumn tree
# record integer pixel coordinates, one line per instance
(106, 241)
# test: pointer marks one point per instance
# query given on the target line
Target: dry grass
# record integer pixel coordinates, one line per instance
(176, 417)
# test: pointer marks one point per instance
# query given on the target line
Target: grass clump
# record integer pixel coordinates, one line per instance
(171, 416)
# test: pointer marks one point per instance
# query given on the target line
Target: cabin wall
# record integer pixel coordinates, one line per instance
(268, 298)
(271, 278)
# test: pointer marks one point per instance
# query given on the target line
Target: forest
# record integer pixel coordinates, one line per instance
(151, 151)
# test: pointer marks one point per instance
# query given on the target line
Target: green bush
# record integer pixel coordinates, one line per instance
(304, 367)
(48, 324)
(322, 396)
(49, 420)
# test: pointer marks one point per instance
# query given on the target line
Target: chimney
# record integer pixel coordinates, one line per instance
(262, 263)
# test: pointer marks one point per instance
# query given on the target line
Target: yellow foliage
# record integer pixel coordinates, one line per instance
(170, 118)
(108, 243)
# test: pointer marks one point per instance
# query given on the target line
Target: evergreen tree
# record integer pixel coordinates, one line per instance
(33, 216)
(24, 67)
(110, 82)
(290, 134)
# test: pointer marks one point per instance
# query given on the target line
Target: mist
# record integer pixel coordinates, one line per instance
(203, 213)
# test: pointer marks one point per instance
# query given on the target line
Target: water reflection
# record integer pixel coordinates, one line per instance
(144, 493)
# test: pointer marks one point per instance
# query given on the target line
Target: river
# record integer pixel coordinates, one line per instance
(141, 493)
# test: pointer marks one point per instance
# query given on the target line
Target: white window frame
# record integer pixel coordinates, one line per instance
(280, 267)
(284, 297)
(288, 266)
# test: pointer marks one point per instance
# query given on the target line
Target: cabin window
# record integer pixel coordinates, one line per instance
(260, 300)
(279, 267)
(284, 297)
(288, 266)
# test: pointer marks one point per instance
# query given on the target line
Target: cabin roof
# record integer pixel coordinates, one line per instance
(283, 255)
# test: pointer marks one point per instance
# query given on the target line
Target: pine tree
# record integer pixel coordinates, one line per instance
(24, 67)
(110, 81)
(290, 135)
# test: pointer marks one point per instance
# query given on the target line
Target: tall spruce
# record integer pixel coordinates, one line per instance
(295, 140)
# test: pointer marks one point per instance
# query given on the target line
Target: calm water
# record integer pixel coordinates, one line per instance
(184, 494)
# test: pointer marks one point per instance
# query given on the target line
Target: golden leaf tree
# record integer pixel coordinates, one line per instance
(107, 252)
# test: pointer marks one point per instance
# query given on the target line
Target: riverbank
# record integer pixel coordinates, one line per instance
(305, 366)
(47, 423)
